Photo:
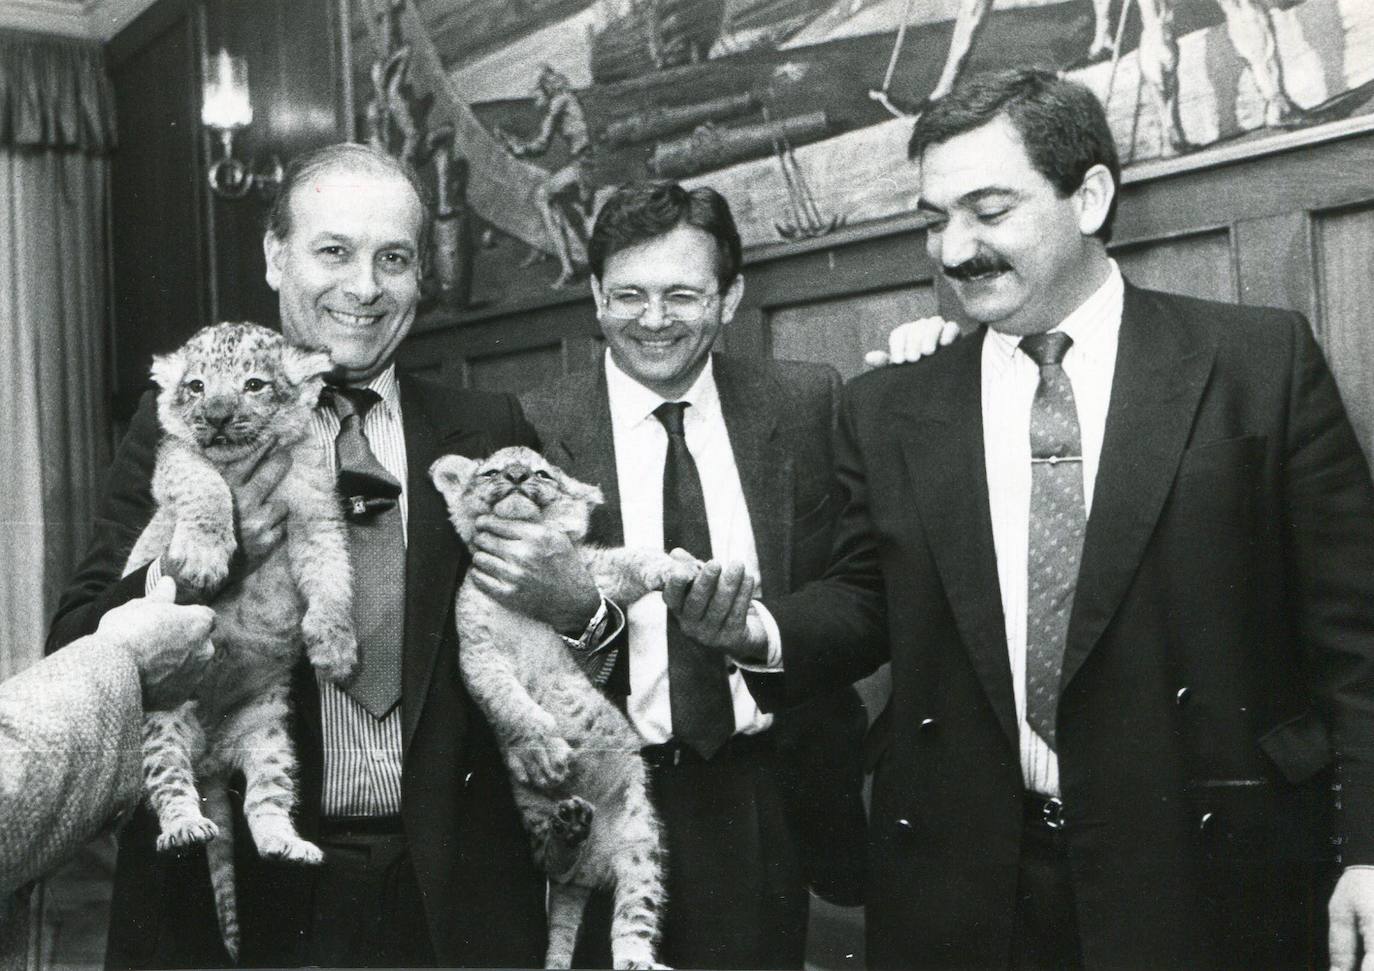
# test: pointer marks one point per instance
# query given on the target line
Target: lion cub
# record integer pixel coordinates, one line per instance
(573, 757)
(232, 393)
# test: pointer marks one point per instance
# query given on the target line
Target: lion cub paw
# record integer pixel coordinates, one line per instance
(199, 559)
(188, 831)
(541, 762)
(331, 646)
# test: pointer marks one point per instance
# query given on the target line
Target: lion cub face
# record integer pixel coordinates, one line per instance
(235, 387)
(513, 483)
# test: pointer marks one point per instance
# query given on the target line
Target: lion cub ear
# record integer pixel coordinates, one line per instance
(451, 474)
(169, 369)
(300, 364)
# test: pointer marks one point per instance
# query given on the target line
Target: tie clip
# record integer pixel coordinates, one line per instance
(1055, 459)
(358, 506)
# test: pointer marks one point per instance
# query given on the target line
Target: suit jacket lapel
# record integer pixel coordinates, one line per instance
(1160, 373)
(941, 433)
(584, 446)
(749, 403)
(434, 555)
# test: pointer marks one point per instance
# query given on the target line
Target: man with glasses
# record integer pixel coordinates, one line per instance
(730, 460)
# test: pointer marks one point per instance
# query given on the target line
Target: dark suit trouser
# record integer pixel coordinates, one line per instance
(1045, 928)
(735, 893)
(366, 909)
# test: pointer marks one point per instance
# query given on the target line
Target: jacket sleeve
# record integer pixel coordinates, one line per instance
(1328, 516)
(834, 630)
(69, 755)
(125, 509)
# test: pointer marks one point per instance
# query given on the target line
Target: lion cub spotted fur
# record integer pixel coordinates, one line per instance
(234, 392)
(573, 757)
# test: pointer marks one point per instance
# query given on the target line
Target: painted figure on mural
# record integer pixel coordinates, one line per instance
(565, 198)
(1247, 24)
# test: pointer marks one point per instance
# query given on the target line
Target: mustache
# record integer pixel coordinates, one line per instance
(976, 266)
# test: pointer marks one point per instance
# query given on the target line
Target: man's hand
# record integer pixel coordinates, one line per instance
(534, 570)
(713, 609)
(914, 340)
(1352, 920)
(259, 514)
(170, 643)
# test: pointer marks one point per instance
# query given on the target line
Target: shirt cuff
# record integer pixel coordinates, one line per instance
(153, 576)
(770, 627)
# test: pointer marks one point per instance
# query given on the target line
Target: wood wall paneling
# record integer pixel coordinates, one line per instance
(1199, 265)
(1344, 244)
(157, 239)
(838, 331)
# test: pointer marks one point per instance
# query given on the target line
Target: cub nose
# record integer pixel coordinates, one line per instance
(218, 413)
(517, 473)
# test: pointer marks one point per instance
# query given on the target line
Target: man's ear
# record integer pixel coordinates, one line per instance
(274, 252)
(1095, 196)
(729, 301)
(596, 293)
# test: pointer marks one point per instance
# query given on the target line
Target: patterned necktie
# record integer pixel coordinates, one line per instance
(698, 687)
(376, 551)
(1058, 519)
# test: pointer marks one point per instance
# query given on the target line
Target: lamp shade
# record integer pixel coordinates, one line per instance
(226, 105)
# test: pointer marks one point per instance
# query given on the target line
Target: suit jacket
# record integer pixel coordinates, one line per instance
(484, 897)
(1221, 643)
(780, 417)
(69, 763)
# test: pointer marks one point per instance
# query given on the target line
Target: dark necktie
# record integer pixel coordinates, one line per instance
(698, 687)
(377, 552)
(1058, 520)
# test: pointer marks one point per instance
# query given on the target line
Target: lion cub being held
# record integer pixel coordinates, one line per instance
(234, 392)
(573, 757)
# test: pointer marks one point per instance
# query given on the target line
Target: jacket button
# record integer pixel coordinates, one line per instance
(927, 725)
(1205, 823)
(1182, 695)
(904, 825)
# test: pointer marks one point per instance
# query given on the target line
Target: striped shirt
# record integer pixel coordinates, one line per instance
(362, 756)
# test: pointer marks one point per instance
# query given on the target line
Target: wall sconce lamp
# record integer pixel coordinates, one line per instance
(226, 109)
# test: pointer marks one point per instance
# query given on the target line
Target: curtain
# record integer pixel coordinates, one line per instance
(56, 127)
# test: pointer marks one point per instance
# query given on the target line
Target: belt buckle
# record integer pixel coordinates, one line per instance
(1052, 813)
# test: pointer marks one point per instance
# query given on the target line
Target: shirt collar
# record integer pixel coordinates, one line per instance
(388, 390)
(1091, 325)
(632, 403)
(385, 385)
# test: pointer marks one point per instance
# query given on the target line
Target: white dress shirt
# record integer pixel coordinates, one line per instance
(641, 444)
(1010, 378)
(362, 756)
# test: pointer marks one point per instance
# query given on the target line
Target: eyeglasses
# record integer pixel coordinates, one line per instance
(686, 306)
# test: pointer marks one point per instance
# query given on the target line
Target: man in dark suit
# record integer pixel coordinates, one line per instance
(665, 276)
(1119, 548)
(400, 780)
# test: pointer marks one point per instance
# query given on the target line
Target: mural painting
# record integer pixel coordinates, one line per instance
(799, 110)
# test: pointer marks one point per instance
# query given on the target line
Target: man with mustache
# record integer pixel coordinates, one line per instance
(1119, 548)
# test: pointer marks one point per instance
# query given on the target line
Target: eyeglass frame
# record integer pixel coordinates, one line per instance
(704, 302)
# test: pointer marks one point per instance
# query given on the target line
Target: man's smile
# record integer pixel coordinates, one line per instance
(353, 320)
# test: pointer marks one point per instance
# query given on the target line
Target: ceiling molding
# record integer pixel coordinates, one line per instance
(92, 19)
